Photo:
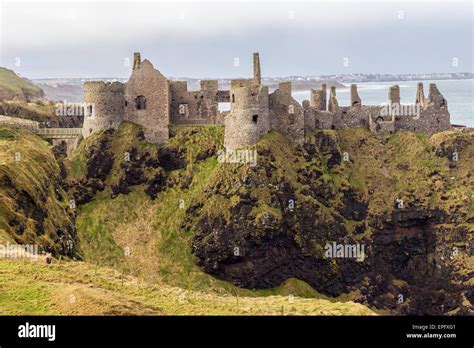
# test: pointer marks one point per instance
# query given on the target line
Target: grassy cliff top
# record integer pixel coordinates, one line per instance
(11, 86)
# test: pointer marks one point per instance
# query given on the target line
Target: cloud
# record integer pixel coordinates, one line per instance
(201, 38)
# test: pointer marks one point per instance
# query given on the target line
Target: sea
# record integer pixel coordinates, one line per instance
(458, 93)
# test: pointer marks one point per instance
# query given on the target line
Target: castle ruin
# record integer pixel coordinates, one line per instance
(152, 101)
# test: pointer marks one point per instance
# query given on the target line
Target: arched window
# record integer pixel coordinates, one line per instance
(140, 102)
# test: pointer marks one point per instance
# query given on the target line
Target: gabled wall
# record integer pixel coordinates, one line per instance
(148, 82)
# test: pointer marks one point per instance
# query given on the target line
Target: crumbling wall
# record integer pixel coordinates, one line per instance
(105, 106)
(196, 107)
(355, 99)
(286, 114)
(358, 117)
(333, 105)
(428, 115)
(378, 126)
(324, 119)
(149, 86)
(318, 99)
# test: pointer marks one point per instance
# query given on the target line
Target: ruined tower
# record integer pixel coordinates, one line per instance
(249, 118)
(105, 106)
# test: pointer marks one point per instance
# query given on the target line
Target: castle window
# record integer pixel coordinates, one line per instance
(255, 119)
(233, 98)
(89, 110)
(363, 123)
(140, 102)
(126, 103)
(291, 118)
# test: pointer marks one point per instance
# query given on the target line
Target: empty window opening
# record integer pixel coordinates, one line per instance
(255, 119)
(140, 102)
(224, 106)
(291, 119)
(126, 103)
(233, 98)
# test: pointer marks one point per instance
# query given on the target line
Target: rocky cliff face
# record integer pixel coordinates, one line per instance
(34, 208)
(403, 198)
(387, 221)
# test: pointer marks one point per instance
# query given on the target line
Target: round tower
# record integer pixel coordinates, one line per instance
(104, 104)
(249, 116)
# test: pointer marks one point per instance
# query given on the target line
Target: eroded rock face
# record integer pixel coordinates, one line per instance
(414, 257)
(34, 208)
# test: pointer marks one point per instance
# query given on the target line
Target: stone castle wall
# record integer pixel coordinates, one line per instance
(433, 112)
(150, 100)
(286, 114)
(318, 98)
(105, 106)
(147, 102)
(197, 107)
(249, 118)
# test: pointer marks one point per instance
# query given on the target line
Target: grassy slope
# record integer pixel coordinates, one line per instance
(13, 85)
(381, 168)
(151, 230)
(33, 176)
(77, 288)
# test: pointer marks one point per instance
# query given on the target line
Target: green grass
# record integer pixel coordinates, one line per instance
(12, 84)
(28, 184)
(77, 288)
(144, 243)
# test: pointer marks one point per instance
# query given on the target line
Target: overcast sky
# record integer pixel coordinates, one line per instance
(203, 39)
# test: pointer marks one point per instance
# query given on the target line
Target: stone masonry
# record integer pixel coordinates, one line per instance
(152, 101)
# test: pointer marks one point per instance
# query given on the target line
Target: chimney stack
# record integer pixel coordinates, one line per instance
(136, 60)
(256, 69)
